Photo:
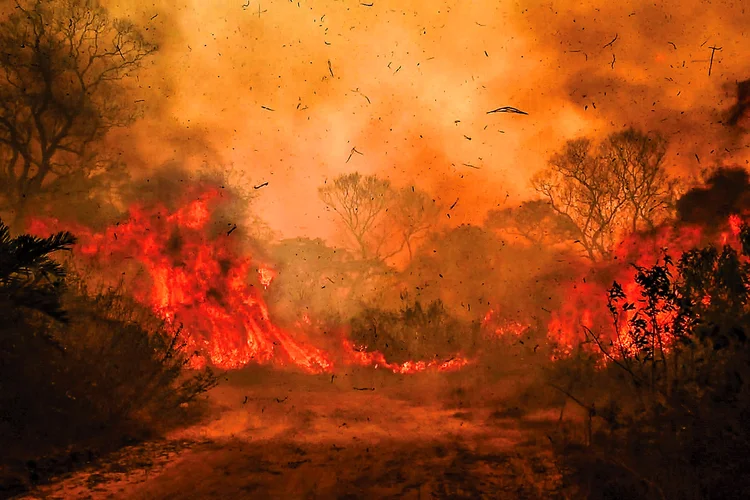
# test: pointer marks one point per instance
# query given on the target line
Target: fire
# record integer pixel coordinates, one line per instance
(265, 276)
(197, 280)
(586, 304)
(500, 329)
(358, 355)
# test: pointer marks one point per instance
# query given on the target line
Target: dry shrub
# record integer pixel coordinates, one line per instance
(99, 372)
(668, 423)
(415, 332)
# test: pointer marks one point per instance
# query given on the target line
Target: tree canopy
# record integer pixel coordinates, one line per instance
(64, 64)
(604, 190)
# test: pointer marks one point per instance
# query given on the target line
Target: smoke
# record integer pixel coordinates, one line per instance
(283, 91)
(727, 192)
(739, 111)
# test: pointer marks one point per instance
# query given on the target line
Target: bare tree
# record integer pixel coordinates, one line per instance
(534, 220)
(619, 186)
(382, 220)
(360, 203)
(63, 65)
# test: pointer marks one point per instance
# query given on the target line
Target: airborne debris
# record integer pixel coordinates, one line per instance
(582, 52)
(354, 150)
(711, 64)
(613, 41)
(261, 185)
(360, 93)
(507, 109)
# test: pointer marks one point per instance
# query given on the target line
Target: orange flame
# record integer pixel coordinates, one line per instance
(586, 303)
(198, 281)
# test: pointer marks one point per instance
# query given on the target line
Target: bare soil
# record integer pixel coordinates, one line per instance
(361, 435)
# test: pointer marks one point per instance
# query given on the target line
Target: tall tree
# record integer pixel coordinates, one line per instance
(603, 191)
(360, 203)
(64, 65)
(382, 220)
(636, 160)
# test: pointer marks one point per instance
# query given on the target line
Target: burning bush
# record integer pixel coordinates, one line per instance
(669, 415)
(81, 370)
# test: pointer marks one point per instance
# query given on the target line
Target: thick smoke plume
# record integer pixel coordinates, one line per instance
(727, 192)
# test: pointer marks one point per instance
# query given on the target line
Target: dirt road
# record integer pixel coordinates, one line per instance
(304, 438)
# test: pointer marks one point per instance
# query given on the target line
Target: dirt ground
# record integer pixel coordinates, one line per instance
(363, 435)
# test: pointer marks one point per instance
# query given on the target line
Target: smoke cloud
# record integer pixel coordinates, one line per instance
(283, 91)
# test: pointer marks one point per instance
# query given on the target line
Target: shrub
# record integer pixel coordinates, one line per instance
(82, 369)
(670, 415)
(414, 332)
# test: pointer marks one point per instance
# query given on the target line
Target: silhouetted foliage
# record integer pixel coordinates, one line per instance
(29, 278)
(676, 424)
(414, 332)
(81, 370)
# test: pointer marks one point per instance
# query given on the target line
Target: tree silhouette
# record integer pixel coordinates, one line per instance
(28, 277)
(604, 191)
(64, 64)
(382, 220)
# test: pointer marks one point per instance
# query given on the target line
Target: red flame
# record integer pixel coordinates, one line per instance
(501, 329)
(586, 301)
(360, 356)
(198, 280)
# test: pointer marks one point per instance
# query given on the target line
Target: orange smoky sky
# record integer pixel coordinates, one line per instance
(282, 91)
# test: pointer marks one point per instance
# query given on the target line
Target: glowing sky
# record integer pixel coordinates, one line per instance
(408, 84)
